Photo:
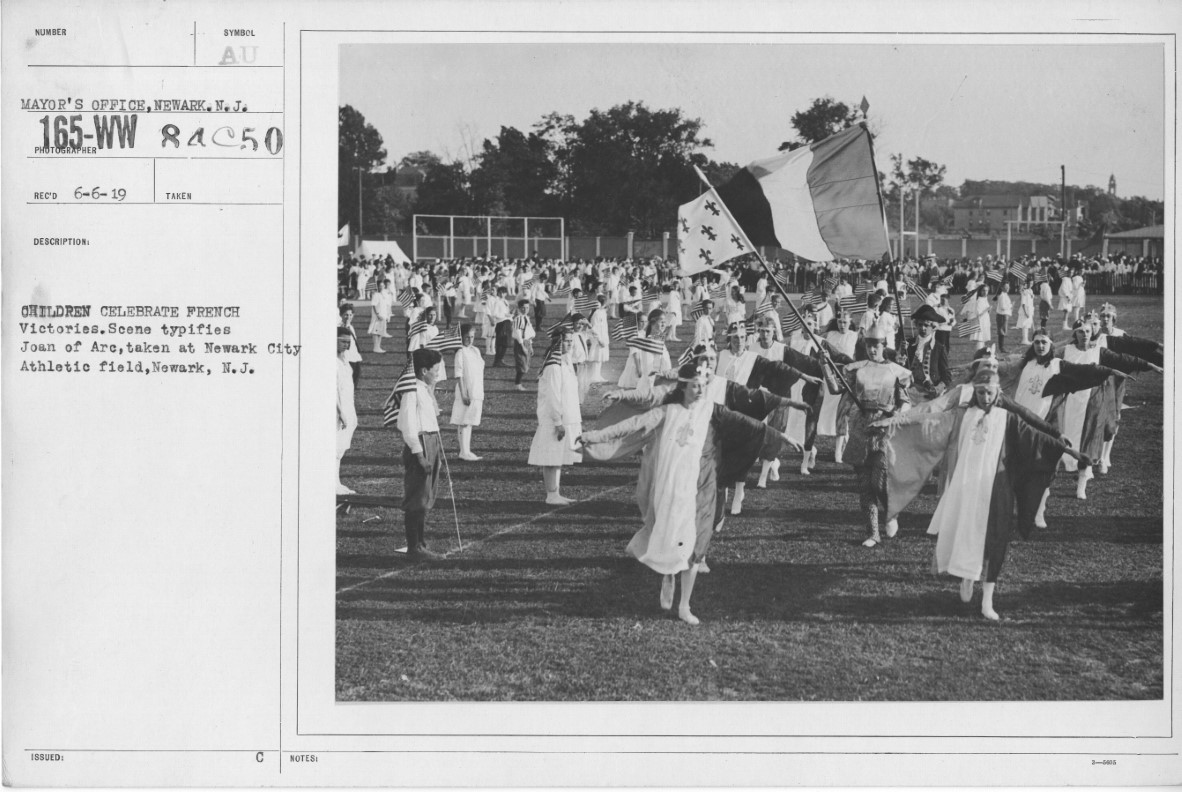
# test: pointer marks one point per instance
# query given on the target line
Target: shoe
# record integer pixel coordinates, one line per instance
(688, 617)
(737, 504)
(804, 466)
(1102, 468)
(774, 473)
(343, 490)
(702, 568)
(553, 499)
(966, 590)
(813, 458)
(1040, 521)
(520, 387)
(892, 528)
(871, 542)
(470, 457)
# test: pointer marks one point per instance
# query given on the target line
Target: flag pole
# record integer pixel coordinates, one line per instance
(894, 270)
(827, 360)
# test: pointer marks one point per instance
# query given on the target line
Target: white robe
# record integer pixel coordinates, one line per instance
(558, 405)
(1076, 405)
(668, 547)
(1031, 383)
(736, 368)
(962, 515)
(795, 427)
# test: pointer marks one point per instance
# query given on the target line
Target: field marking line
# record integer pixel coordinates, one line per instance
(480, 542)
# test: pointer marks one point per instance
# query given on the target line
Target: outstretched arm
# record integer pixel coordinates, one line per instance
(1126, 363)
(1074, 377)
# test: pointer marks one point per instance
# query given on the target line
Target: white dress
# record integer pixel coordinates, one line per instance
(674, 309)
(795, 427)
(600, 347)
(558, 405)
(380, 310)
(1079, 295)
(1066, 295)
(469, 369)
(640, 365)
(1075, 406)
(962, 515)
(678, 460)
(1025, 309)
(980, 309)
(1031, 383)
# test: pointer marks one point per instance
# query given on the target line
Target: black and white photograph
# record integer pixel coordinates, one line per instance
(736, 369)
(732, 395)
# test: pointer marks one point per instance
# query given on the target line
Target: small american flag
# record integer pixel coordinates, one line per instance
(1039, 277)
(654, 345)
(406, 299)
(812, 298)
(852, 304)
(701, 309)
(585, 305)
(565, 324)
(553, 354)
(764, 308)
(448, 341)
(416, 327)
(717, 290)
(560, 294)
(624, 330)
(915, 288)
(994, 275)
(1018, 270)
(965, 329)
(790, 324)
(405, 384)
(829, 284)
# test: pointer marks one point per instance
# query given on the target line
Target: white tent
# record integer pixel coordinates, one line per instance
(383, 249)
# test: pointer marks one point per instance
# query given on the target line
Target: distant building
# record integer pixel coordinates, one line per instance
(985, 214)
(1112, 185)
(1149, 241)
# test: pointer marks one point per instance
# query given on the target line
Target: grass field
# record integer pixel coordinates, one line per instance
(542, 603)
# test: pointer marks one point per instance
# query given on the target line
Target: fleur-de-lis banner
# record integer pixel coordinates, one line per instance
(706, 236)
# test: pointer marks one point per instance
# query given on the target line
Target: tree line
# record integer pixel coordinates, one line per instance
(627, 169)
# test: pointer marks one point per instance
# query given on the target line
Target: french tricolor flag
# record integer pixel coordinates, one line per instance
(821, 202)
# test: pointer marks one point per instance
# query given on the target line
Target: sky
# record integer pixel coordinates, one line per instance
(985, 111)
